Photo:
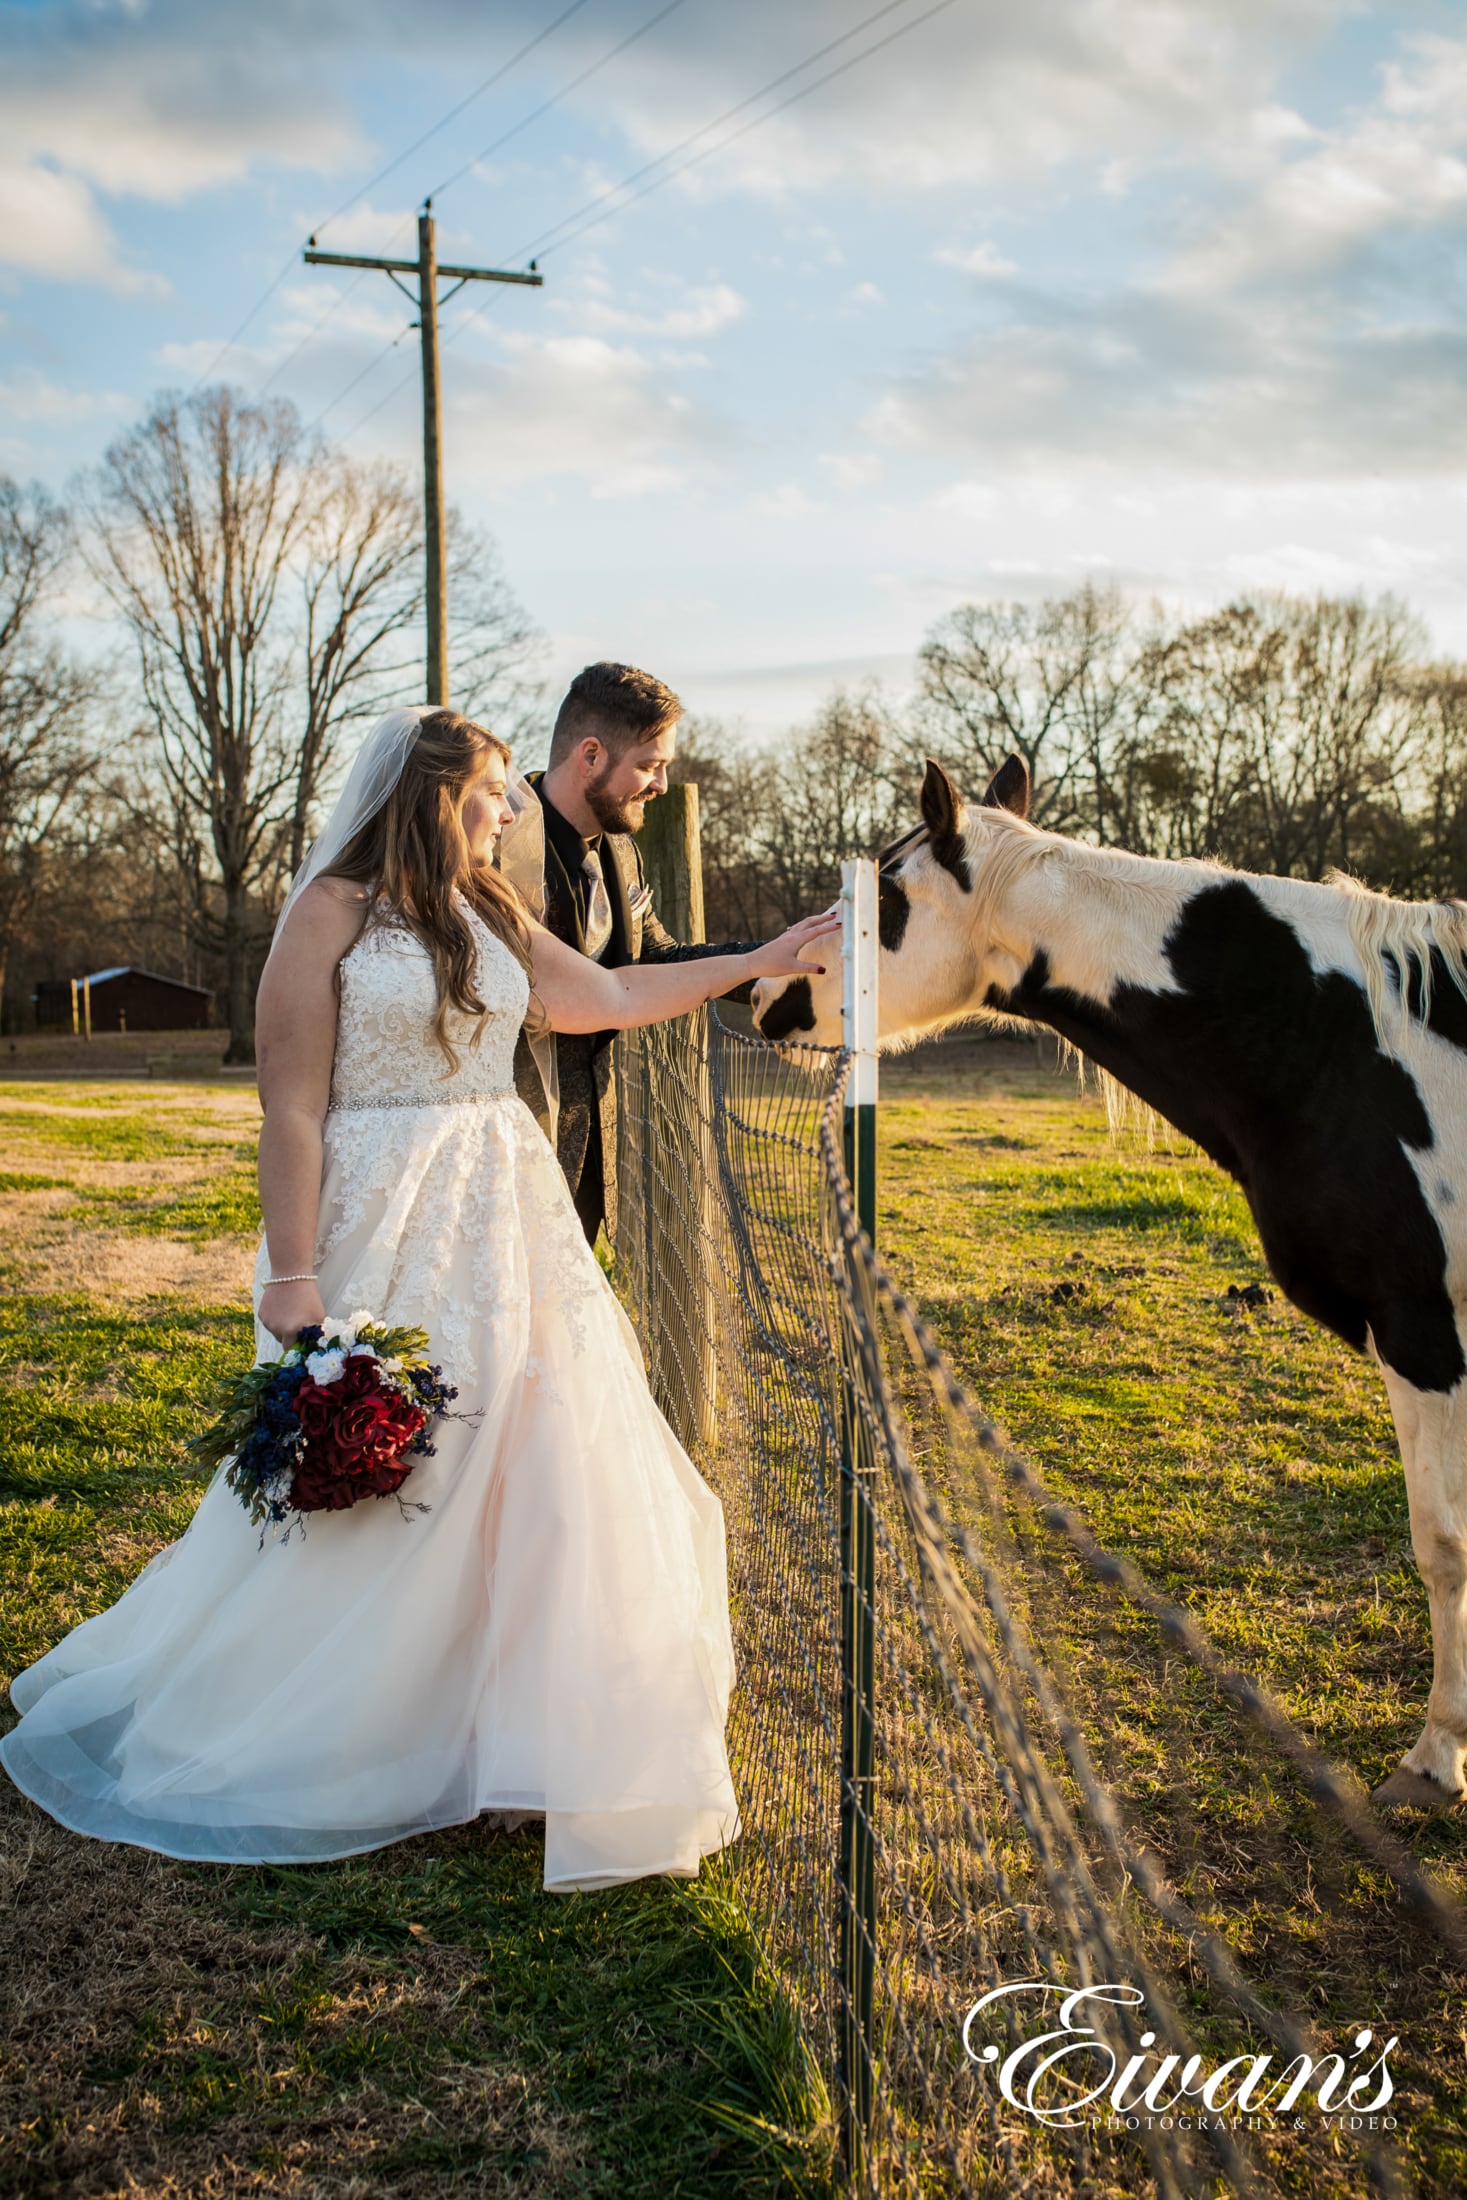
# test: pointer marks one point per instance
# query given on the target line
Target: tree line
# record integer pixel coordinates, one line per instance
(1281, 734)
(262, 596)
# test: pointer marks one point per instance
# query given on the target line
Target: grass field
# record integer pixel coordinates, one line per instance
(1245, 1461)
(427, 2020)
(420, 2021)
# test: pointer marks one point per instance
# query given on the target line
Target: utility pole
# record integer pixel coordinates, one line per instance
(426, 304)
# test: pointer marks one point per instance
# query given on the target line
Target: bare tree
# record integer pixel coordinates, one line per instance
(827, 795)
(494, 647)
(361, 581)
(46, 704)
(1431, 851)
(1050, 681)
(198, 517)
(274, 594)
(1283, 736)
(732, 799)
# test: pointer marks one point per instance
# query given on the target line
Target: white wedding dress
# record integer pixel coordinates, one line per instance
(552, 1635)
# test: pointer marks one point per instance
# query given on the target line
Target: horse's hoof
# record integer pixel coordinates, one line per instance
(1412, 1791)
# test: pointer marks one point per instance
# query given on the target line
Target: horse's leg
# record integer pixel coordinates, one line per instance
(1432, 1428)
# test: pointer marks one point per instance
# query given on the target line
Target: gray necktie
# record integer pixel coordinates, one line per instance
(598, 908)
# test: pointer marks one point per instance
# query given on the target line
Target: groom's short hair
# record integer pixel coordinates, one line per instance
(618, 704)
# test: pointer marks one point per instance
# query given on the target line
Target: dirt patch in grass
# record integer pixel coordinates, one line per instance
(130, 1271)
(129, 1195)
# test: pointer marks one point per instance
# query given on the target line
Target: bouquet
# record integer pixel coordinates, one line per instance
(341, 1416)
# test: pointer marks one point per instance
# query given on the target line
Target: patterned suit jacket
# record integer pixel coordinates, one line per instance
(585, 1063)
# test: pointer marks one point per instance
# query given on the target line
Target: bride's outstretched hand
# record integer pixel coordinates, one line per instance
(786, 957)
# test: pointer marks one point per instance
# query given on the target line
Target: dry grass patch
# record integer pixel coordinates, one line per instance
(129, 1194)
(128, 1270)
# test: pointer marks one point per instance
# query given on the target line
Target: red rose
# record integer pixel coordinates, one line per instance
(357, 1433)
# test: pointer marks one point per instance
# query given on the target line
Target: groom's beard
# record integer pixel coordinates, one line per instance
(615, 813)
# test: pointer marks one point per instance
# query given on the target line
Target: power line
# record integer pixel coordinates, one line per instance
(346, 205)
(613, 190)
(338, 301)
(443, 120)
(754, 123)
(758, 121)
(544, 108)
(385, 399)
(372, 364)
(373, 410)
(565, 89)
(263, 300)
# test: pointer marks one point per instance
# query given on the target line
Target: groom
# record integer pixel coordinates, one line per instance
(614, 738)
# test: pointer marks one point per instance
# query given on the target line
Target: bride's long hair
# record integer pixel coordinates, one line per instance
(416, 856)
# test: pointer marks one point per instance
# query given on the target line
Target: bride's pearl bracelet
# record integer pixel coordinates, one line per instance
(290, 1279)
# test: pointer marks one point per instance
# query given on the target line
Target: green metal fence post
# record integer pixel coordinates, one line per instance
(858, 1547)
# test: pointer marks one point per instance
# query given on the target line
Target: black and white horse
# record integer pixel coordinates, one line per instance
(1311, 1038)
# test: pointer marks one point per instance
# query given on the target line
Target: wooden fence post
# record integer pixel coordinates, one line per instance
(676, 1189)
(672, 856)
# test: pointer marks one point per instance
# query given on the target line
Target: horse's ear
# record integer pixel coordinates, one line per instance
(942, 805)
(1008, 789)
(942, 814)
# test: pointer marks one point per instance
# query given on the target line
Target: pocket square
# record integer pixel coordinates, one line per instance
(640, 901)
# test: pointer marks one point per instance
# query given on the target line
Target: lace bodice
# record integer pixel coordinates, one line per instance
(386, 1054)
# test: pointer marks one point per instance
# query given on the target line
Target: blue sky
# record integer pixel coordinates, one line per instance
(1165, 291)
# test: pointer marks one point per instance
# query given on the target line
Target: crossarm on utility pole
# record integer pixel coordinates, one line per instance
(410, 267)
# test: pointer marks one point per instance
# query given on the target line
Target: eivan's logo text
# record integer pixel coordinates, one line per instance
(1031, 2075)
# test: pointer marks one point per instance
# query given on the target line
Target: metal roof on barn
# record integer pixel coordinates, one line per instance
(135, 970)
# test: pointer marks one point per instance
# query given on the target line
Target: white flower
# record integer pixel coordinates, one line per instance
(362, 1352)
(324, 1367)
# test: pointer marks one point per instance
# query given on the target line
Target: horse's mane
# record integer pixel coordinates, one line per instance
(1395, 942)
(1393, 938)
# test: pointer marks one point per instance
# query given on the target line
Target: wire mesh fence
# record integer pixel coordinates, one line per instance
(1064, 1903)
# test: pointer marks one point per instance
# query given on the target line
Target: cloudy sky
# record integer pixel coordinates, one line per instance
(1164, 291)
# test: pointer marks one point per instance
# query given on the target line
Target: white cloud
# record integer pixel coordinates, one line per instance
(1398, 165)
(699, 312)
(786, 501)
(32, 398)
(982, 92)
(1231, 390)
(155, 103)
(865, 294)
(1276, 340)
(853, 469)
(977, 259)
(50, 225)
(553, 407)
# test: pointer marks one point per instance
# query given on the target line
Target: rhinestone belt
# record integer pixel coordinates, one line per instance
(449, 1100)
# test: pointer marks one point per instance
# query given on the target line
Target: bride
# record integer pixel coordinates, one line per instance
(552, 1635)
